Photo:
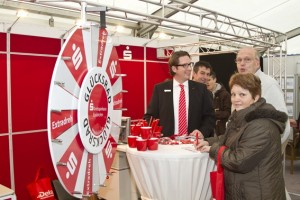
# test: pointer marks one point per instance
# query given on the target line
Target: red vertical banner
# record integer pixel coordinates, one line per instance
(62, 121)
(74, 56)
(108, 152)
(101, 46)
(88, 182)
(70, 164)
(113, 66)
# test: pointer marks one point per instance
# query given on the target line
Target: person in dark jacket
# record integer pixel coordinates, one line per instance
(164, 104)
(221, 103)
(252, 160)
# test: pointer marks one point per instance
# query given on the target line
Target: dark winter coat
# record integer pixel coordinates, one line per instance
(252, 160)
(222, 106)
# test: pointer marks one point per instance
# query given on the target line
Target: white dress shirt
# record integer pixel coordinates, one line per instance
(273, 94)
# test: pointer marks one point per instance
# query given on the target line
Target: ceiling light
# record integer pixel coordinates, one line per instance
(120, 29)
(162, 35)
(78, 22)
(22, 13)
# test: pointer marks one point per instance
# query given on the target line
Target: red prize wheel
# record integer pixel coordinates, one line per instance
(84, 110)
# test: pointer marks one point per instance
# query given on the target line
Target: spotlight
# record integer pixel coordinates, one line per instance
(22, 13)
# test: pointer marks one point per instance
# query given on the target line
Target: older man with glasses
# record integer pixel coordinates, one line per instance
(182, 105)
(247, 61)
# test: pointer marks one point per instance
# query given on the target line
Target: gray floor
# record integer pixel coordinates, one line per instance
(292, 181)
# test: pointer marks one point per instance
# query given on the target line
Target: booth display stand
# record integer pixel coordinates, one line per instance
(6, 193)
(120, 185)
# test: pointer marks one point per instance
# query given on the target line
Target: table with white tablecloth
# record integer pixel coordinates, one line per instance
(173, 172)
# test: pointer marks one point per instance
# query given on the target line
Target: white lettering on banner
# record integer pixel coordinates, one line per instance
(71, 165)
(77, 56)
(113, 68)
(118, 102)
(97, 111)
(127, 54)
(59, 123)
(101, 50)
(92, 105)
(97, 78)
(89, 167)
(44, 195)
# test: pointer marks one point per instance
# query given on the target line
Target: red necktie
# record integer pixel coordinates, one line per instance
(182, 122)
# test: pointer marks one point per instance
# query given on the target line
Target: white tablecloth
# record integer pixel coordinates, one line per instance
(171, 173)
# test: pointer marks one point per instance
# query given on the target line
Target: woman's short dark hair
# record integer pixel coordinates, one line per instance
(174, 59)
(246, 81)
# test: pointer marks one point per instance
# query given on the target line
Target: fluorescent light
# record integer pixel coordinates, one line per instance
(162, 35)
(22, 13)
(78, 22)
(120, 29)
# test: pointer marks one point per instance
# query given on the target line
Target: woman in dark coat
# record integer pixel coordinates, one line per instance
(252, 160)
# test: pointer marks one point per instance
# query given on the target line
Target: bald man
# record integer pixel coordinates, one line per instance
(247, 61)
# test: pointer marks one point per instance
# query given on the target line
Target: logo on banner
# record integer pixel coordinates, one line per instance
(127, 54)
(76, 57)
(95, 110)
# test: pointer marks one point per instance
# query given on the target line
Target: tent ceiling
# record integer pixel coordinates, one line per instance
(255, 22)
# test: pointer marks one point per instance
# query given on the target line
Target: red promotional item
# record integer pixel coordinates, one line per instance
(217, 179)
(41, 188)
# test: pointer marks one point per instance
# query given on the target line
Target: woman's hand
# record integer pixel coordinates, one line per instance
(205, 149)
(195, 132)
(202, 146)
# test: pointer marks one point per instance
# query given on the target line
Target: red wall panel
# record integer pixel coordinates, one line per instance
(137, 53)
(4, 166)
(156, 72)
(31, 151)
(152, 55)
(30, 78)
(134, 84)
(3, 96)
(31, 44)
(2, 42)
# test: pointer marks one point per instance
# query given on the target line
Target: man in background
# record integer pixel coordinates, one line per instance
(247, 61)
(221, 103)
(201, 71)
(165, 101)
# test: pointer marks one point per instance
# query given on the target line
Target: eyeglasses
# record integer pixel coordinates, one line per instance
(246, 60)
(186, 65)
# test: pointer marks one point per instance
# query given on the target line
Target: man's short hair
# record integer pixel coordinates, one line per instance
(213, 74)
(201, 64)
(174, 59)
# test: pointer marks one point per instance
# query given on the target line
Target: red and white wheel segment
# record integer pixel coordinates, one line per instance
(84, 110)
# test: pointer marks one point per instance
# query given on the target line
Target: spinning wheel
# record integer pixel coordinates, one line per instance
(85, 110)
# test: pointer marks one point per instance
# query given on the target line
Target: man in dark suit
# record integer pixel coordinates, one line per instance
(164, 104)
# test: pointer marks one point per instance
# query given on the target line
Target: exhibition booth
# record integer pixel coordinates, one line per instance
(51, 107)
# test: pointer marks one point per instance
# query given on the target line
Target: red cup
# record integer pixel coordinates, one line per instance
(135, 129)
(141, 144)
(146, 132)
(131, 141)
(152, 144)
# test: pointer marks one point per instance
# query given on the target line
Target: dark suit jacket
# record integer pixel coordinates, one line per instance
(201, 112)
